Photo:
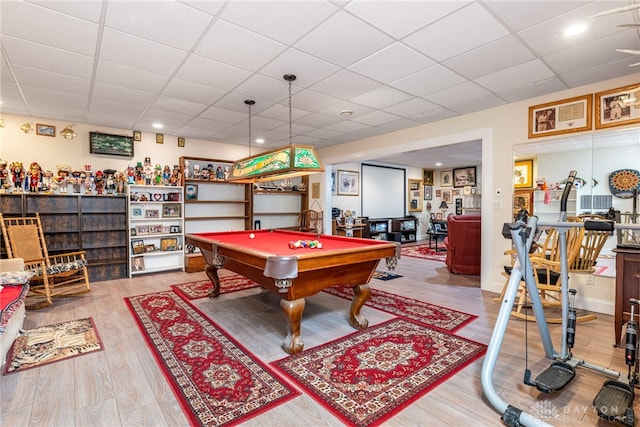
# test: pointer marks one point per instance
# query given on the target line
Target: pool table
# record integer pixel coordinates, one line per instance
(296, 273)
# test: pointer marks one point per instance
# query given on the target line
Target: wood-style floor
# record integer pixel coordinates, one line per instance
(123, 386)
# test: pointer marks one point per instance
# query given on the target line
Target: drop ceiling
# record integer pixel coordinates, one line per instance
(393, 64)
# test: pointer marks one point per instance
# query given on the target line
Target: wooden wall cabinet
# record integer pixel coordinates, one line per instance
(627, 286)
(277, 207)
(95, 224)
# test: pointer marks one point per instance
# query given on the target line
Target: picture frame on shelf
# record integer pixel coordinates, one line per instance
(463, 177)
(171, 210)
(428, 192)
(142, 229)
(446, 178)
(150, 247)
(174, 229)
(155, 229)
(136, 212)
(169, 244)
(523, 174)
(191, 191)
(559, 117)
(348, 183)
(165, 229)
(45, 130)
(152, 213)
(137, 246)
(614, 107)
(137, 263)
(133, 232)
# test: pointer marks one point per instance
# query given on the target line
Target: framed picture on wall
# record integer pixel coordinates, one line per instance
(558, 117)
(523, 174)
(458, 206)
(348, 183)
(428, 192)
(522, 200)
(446, 196)
(446, 178)
(616, 107)
(464, 176)
(427, 177)
(415, 195)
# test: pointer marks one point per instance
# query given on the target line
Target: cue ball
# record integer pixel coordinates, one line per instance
(252, 236)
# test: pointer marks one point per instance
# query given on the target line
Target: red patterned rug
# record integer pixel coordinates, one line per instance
(362, 378)
(424, 252)
(214, 378)
(200, 288)
(432, 315)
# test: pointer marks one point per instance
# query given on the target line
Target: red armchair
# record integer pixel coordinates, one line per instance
(463, 244)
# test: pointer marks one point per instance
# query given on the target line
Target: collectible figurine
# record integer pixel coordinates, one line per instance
(4, 176)
(76, 180)
(99, 182)
(139, 173)
(62, 180)
(47, 182)
(131, 175)
(219, 173)
(88, 182)
(17, 176)
(187, 169)
(110, 180)
(196, 171)
(148, 171)
(166, 175)
(176, 179)
(157, 174)
(34, 178)
(120, 181)
(204, 174)
(226, 173)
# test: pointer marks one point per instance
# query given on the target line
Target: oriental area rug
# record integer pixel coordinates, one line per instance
(424, 252)
(216, 380)
(362, 378)
(52, 343)
(200, 288)
(432, 315)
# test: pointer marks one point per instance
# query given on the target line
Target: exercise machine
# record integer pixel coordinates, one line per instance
(615, 399)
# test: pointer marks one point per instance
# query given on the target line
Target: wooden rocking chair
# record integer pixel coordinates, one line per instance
(61, 274)
(309, 221)
(592, 244)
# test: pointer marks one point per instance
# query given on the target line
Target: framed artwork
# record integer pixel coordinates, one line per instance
(133, 232)
(137, 246)
(439, 216)
(455, 193)
(464, 176)
(348, 183)
(159, 138)
(315, 190)
(191, 191)
(458, 206)
(427, 177)
(523, 174)
(415, 195)
(45, 130)
(565, 116)
(181, 141)
(150, 247)
(333, 183)
(171, 210)
(136, 212)
(618, 107)
(466, 191)
(522, 200)
(137, 135)
(142, 229)
(446, 178)
(137, 263)
(438, 193)
(169, 244)
(152, 213)
(446, 196)
(428, 192)
(155, 229)
(174, 229)
(113, 145)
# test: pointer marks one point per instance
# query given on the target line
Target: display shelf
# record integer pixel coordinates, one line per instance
(379, 228)
(156, 228)
(277, 204)
(549, 210)
(407, 228)
(472, 204)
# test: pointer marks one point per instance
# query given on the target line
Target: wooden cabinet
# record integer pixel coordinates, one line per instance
(627, 286)
(378, 228)
(156, 223)
(276, 205)
(406, 228)
(548, 209)
(95, 224)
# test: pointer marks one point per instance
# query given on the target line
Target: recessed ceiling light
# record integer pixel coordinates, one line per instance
(157, 125)
(438, 164)
(259, 141)
(346, 113)
(575, 29)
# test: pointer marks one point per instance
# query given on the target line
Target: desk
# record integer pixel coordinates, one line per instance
(294, 274)
(627, 286)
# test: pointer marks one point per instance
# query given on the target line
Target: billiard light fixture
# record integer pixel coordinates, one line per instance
(286, 162)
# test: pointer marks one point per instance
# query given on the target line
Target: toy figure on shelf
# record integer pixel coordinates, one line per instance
(166, 175)
(204, 174)
(131, 175)
(47, 182)
(219, 173)
(196, 171)
(157, 174)
(17, 176)
(62, 180)
(187, 169)
(88, 182)
(148, 171)
(176, 179)
(110, 180)
(120, 181)
(99, 182)
(226, 173)
(4, 176)
(139, 173)
(76, 180)
(34, 178)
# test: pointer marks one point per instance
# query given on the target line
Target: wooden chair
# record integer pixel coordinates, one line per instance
(60, 274)
(309, 221)
(592, 244)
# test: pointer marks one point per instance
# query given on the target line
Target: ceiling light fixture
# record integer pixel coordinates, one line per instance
(68, 132)
(346, 113)
(575, 29)
(157, 125)
(286, 162)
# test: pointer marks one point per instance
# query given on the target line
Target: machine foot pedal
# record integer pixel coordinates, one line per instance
(614, 402)
(555, 377)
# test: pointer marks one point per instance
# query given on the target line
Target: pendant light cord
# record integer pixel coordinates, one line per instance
(249, 102)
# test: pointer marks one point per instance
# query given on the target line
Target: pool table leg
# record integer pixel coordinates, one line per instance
(293, 344)
(212, 273)
(360, 296)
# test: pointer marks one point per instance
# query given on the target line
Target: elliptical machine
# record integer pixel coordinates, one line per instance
(615, 399)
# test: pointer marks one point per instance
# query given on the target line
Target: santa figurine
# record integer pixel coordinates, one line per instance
(34, 178)
(99, 182)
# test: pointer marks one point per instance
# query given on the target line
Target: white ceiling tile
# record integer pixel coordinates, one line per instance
(400, 18)
(176, 105)
(265, 88)
(463, 92)
(170, 120)
(134, 51)
(381, 97)
(375, 118)
(48, 27)
(57, 112)
(476, 104)
(284, 21)
(123, 95)
(345, 85)
(44, 79)
(602, 72)
(129, 77)
(210, 73)
(89, 10)
(223, 115)
(323, 133)
(375, 66)
(347, 126)
(319, 120)
(519, 15)
(479, 28)
(343, 40)
(53, 97)
(242, 48)
(504, 53)
(532, 90)
(29, 54)
(192, 92)
(311, 100)
(398, 125)
(356, 109)
(519, 75)
(413, 106)
(309, 69)
(427, 81)
(166, 22)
